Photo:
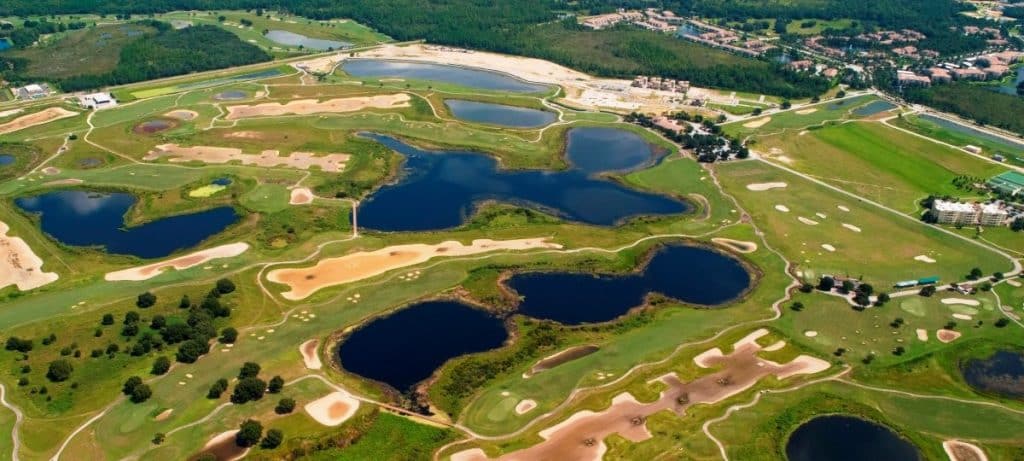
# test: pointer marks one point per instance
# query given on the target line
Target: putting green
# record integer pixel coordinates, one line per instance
(206, 191)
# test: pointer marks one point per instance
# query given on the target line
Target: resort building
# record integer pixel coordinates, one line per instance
(969, 214)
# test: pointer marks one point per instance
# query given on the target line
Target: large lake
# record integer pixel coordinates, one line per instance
(82, 218)
(845, 438)
(499, 114)
(440, 189)
(464, 76)
(688, 274)
(292, 39)
(406, 347)
(1002, 374)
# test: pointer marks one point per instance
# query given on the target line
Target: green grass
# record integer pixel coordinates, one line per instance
(1013, 152)
(394, 438)
(790, 120)
(93, 50)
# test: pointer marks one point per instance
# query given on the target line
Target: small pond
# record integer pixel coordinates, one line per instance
(1002, 373)
(292, 39)
(84, 218)
(441, 189)
(692, 275)
(4, 44)
(464, 76)
(1010, 87)
(499, 114)
(154, 126)
(406, 347)
(971, 131)
(222, 182)
(873, 107)
(232, 95)
(845, 438)
(6, 159)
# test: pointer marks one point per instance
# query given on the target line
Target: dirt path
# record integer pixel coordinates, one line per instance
(18, 418)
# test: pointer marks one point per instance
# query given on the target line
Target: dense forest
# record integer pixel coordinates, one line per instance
(985, 106)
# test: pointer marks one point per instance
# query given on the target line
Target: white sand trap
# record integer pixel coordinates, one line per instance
(966, 302)
(760, 187)
(1012, 283)
(301, 196)
(226, 438)
(962, 317)
(843, 208)
(164, 415)
(774, 347)
(19, 265)
(312, 106)
(8, 113)
(704, 359)
(184, 115)
(828, 247)
(958, 450)
(802, 132)
(751, 339)
(810, 333)
(309, 355)
(807, 111)
(304, 281)
(809, 222)
(851, 227)
(924, 259)
(807, 365)
(149, 271)
(782, 208)
(922, 334)
(524, 406)
(740, 246)
(331, 163)
(472, 454)
(947, 336)
(38, 118)
(821, 215)
(757, 123)
(333, 409)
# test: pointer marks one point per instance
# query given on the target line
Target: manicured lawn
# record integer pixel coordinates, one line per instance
(799, 118)
(963, 136)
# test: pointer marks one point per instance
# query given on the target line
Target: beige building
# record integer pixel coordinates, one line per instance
(969, 214)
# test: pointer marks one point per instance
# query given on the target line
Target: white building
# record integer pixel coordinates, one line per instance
(987, 214)
(992, 215)
(97, 101)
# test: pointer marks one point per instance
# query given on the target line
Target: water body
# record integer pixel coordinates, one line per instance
(872, 108)
(689, 274)
(440, 189)
(1002, 373)
(4, 44)
(600, 150)
(292, 39)
(473, 78)
(6, 159)
(222, 181)
(845, 438)
(499, 114)
(82, 218)
(1009, 87)
(406, 347)
(970, 131)
(230, 95)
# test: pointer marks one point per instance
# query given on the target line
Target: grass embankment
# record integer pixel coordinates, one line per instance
(962, 136)
(798, 118)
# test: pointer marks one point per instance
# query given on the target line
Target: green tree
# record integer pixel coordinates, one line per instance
(108, 319)
(130, 384)
(249, 433)
(249, 370)
(145, 300)
(247, 390)
(159, 438)
(191, 350)
(228, 335)
(217, 389)
(275, 385)
(60, 370)
(141, 393)
(161, 365)
(272, 440)
(285, 406)
(225, 286)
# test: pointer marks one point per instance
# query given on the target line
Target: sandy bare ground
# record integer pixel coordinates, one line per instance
(1012, 283)
(309, 355)
(224, 448)
(782, 208)
(164, 415)
(947, 336)
(312, 106)
(50, 170)
(828, 247)
(244, 135)
(324, 65)
(807, 111)
(582, 435)
(922, 334)
(962, 451)
(851, 227)
(182, 114)
(365, 264)
(760, 187)
(181, 262)
(778, 345)
(810, 333)
(843, 208)
(963, 317)
(524, 406)
(809, 222)
(924, 259)
(757, 123)
(333, 409)
(739, 246)
(964, 301)
(332, 163)
(19, 265)
(37, 118)
(8, 113)
(301, 196)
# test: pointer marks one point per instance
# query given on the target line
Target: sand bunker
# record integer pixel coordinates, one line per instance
(809, 222)
(782, 208)
(582, 435)
(924, 259)
(851, 227)
(922, 334)
(184, 115)
(244, 135)
(561, 357)
(38, 118)
(757, 123)
(365, 264)
(333, 409)
(810, 333)
(807, 111)
(180, 263)
(164, 415)
(301, 196)
(966, 302)
(332, 163)
(957, 450)
(19, 265)
(309, 355)
(759, 187)
(828, 247)
(312, 106)
(739, 246)
(962, 317)
(947, 336)
(1012, 283)
(843, 208)
(223, 447)
(778, 345)
(706, 358)
(524, 406)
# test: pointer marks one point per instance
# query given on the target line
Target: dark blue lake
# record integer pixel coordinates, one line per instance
(82, 218)
(845, 438)
(499, 114)
(692, 275)
(406, 347)
(1002, 373)
(464, 76)
(600, 150)
(6, 159)
(292, 39)
(440, 189)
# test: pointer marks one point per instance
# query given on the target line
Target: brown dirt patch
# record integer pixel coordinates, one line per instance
(223, 447)
(37, 118)
(301, 196)
(19, 265)
(947, 336)
(312, 106)
(309, 355)
(333, 409)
